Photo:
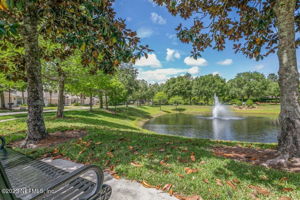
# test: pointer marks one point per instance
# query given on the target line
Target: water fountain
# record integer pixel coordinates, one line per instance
(222, 112)
(219, 110)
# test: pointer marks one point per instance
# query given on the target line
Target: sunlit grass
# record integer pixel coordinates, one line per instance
(116, 141)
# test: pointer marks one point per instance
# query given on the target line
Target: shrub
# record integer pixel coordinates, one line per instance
(238, 102)
(76, 104)
(249, 103)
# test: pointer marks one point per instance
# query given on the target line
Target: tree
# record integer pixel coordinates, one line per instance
(273, 90)
(263, 27)
(90, 25)
(176, 100)
(160, 98)
(142, 93)
(248, 85)
(179, 86)
(273, 77)
(11, 69)
(116, 92)
(205, 87)
(127, 75)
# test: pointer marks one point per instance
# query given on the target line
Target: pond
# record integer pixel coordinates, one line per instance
(250, 129)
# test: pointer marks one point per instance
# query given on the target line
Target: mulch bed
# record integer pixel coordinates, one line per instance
(255, 156)
(53, 139)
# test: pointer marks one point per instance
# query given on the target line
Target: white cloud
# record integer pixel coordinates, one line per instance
(226, 62)
(162, 75)
(172, 54)
(194, 70)
(144, 32)
(157, 19)
(216, 73)
(151, 61)
(195, 62)
(258, 67)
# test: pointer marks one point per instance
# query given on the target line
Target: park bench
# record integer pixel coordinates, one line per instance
(22, 177)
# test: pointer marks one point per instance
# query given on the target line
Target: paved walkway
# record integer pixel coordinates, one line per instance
(122, 189)
(25, 112)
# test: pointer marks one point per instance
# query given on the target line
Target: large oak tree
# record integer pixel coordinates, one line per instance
(257, 28)
(86, 24)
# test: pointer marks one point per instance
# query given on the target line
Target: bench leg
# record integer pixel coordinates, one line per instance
(105, 192)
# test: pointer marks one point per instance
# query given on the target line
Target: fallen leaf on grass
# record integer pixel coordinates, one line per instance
(130, 147)
(136, 164)
(110, 154)
(97, 143)
(182, 160)
(202, 162)
(171, 192)
(55, 151)
(162, 150)
(116, 176)
(263, 177)
(81, 152)
(206, 181)
(260, 190)
(162, 162)
(57, 157)
(283, 179)
(167, 187)
(190, 171)
(219, 182)
(287, 189)
(253, 195)
(193, 158)
(194, 197)
(147, 185)
(180, 175)
(231, 184)
(235, 180)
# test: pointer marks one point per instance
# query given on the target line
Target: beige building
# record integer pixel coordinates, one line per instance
(17, 98)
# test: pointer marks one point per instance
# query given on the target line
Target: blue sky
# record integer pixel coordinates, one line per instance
(156, 27)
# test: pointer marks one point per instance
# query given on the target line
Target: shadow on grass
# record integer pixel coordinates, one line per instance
(95, 122)
(179, 109)
(256, 174)
(122, 113)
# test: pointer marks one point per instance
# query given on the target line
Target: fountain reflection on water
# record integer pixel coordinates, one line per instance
(221, 120)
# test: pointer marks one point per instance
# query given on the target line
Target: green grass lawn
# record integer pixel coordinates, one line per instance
(116, 141)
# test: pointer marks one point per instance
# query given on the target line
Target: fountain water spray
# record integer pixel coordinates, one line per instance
(219, 110)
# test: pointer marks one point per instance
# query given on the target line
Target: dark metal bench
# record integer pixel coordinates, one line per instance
(22, 177)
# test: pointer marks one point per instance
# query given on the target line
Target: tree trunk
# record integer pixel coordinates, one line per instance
(61, 93)
(23, 97)
(101, 100)
(2, 100)
(289, 137)
(91, 102)
(9, 99)
(35, 121)
(106, 102)
(50, 100)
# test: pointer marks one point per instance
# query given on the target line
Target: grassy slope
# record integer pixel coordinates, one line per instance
(120, 135)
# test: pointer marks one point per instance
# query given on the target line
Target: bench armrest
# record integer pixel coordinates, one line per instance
(72, 176)
(2, 145)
